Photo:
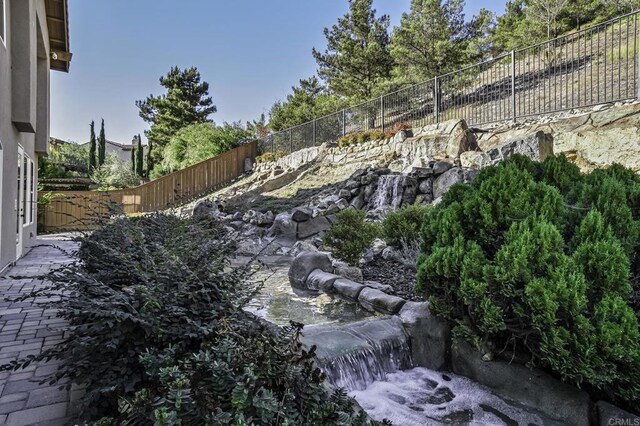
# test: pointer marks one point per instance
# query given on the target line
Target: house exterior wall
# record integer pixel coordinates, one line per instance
(24, 115)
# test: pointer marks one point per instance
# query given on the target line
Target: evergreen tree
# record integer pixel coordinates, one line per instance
(357, 57)
(92, 148)
(133, 155)
(431, 39)
(511, 28)
(149, 159)
(140, 158)
(102, 145)
(185, 102)
(546, 13)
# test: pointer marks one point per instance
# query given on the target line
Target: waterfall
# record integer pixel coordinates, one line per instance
(389, 192)
(355, 355)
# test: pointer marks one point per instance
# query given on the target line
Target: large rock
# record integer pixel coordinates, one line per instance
(347, 288)
(441, 167)
(461, 140)
(530, 387)
(283, 226)
(430, 336)
(445, 181)
(313, 227)
(301, 214)
(305, 263)
(609, 414)
(426, 187)
(205, 208)
(321, 280)
(349, 272)
(376, 300)
(537, 147)
(410, 191)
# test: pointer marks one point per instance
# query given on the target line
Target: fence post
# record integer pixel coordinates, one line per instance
(290, 140)
(513, 85)
(314, 132)
(436, 99)
(344, 122)
(382, 112)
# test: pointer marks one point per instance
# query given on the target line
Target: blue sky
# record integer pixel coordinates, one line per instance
(250, 51)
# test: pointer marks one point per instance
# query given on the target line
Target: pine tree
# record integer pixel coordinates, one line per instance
(186, 102)
(139, 158)
(149, 159)
(102, 145)
(357, 58)
(92, 148)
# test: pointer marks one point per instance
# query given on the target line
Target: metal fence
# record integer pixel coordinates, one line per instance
(595, 65)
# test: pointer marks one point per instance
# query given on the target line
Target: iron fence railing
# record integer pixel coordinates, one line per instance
(595, 65)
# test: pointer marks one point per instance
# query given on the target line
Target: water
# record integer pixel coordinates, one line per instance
(389, 192)
(277, 302)
(419, 397)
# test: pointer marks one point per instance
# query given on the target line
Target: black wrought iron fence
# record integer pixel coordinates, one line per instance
(599, 64)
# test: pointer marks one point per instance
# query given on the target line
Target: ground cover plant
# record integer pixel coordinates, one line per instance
(158, 334)
(535, 261)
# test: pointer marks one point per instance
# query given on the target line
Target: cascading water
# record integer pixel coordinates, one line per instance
(389, 192)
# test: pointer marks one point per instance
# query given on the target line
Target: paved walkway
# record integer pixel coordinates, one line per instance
(26, 328)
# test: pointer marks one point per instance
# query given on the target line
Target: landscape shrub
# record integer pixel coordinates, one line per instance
(536, 260)
(159, 336)
(114, 174)
(360, 137)
(268, 157)
(404, 225)
(397, 128)
(350, 235)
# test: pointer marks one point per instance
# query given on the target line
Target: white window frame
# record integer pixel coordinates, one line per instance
(3, 36)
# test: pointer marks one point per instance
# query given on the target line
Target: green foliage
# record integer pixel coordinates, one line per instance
(360, 137)
(185, 102)
(537, 259)
(114, 174)
(158, 334)
(92, 149)
(199, 142)
(102, 145)
(139, 159)
(350, 235)
(65, 160)
(404, 225)
(307, 101)
(267, 157)
(357, 56)
(149, 158)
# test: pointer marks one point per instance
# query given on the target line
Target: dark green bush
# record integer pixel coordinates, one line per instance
(351, 235)
(536, 260)
(404, 224)
(159, 335)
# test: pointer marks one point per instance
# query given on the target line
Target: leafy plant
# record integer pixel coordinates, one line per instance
(114, 174)
(404, 225)
(360, 137)
(397, 128)
(268, 157)
(536, 260)
(350, 235)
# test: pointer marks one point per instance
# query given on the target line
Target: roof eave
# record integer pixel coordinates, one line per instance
(58, 24)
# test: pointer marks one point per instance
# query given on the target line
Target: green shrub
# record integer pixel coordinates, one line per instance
(360, 137)
(536, 259)
(268, 157)
(404, 224)
(350, 235)
(114, 174)
(159, 335)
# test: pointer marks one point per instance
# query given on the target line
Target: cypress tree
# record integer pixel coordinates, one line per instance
(149, 158)
(140, 158)
(133, 157)
(102, 145)
(92, 148)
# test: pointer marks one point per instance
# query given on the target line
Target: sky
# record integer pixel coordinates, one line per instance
(249, 51)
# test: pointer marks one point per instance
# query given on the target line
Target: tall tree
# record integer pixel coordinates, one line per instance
(357, 57)
(102, 145)
(511, 28)
(149, 159)
(133, 156)
(431, 39)
(185, 102)
(140, 158)
(92, 148)
(546, 12)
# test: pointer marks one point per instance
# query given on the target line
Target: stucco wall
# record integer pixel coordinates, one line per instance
(10, 137)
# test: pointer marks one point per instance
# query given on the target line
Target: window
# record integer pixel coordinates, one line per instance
(25, 190)
(3, 22)
(32, 195)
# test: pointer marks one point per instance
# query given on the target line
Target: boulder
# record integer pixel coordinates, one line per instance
(342, 204)
(386, 288)
(536, 147)
(369, 190)
(426, 187)
(350, 272)
(609, 414)
(461, 140)
(440, 167)
(445, 181)
(283, 226)
(205, 208)
(347, 288)
(424, 198)
(248, 165)
(301, 214)
(471, 159)
(358, 202)
(376, 300)
(431, 336)
(305, 263)
(410, 191)
(470, 175)
(301, 246)
(530, 387)
(265, 218)
(312, 227)
(321, 280)
(345, 193)
(421, 172)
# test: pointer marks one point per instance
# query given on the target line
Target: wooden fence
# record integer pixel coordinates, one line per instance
(79, 210)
